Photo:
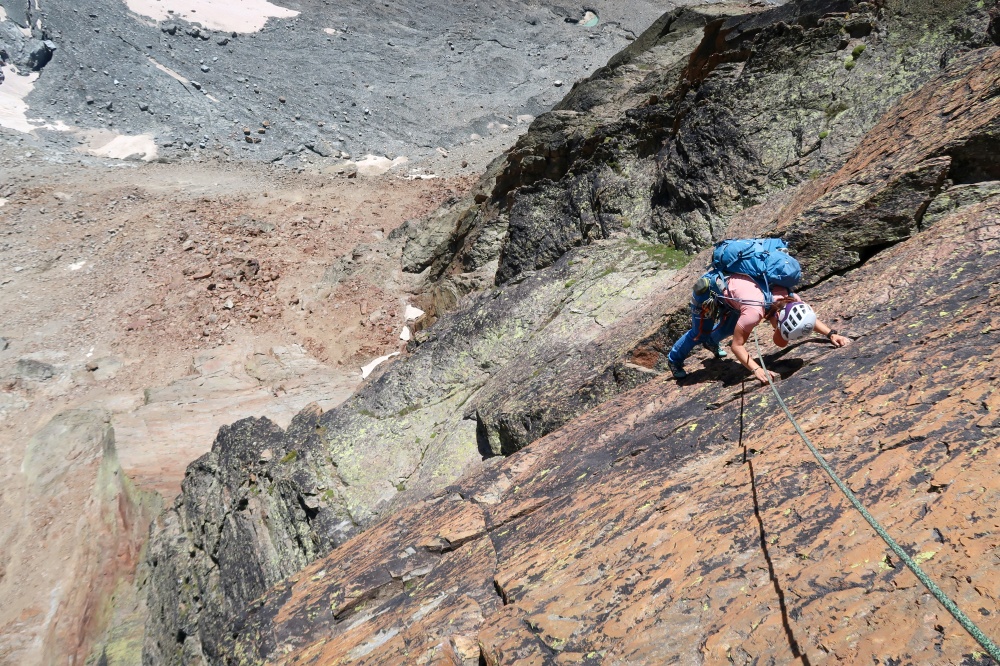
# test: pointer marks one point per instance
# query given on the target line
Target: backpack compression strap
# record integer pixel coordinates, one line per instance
(723, 294)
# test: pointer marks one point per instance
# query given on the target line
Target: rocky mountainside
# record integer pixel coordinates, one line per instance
(175, 181)
(321, 79)
(687, 524)
(595, 494)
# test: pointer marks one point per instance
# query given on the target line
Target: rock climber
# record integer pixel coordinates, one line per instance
(737, 313)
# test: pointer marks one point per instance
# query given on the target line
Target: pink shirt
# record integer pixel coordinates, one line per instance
(748, 299)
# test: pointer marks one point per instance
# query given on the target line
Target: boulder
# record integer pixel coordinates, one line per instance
(34, 370)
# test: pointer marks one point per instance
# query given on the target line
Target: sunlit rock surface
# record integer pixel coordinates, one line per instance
(554, 289)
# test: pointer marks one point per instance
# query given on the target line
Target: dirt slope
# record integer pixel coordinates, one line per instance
(107, 310)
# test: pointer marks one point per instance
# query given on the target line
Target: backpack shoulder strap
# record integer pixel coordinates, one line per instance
(720, 287)
(766, 290)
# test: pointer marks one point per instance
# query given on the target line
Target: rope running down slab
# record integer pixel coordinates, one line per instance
(931, 586)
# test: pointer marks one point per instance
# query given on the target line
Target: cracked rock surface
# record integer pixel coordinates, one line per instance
(553, 290)
(686, 522)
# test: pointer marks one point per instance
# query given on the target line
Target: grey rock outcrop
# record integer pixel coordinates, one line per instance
(252, 512)
(22, 42)
(38, 53)
(34, 370)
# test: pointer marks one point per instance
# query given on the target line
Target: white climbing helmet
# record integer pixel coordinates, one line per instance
(796, 321)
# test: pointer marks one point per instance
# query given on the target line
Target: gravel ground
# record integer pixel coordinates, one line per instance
(398, 78)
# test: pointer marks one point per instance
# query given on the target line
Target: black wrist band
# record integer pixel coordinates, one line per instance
(832, 333)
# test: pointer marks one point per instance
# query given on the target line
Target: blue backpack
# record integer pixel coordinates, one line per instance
(765, 260)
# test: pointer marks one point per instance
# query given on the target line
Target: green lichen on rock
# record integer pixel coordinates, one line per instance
(667, 256)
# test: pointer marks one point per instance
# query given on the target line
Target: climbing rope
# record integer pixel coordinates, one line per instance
(931, 586)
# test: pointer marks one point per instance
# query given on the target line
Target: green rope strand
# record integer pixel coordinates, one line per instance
(931, 586)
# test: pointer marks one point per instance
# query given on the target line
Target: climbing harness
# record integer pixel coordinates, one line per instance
(931, 586)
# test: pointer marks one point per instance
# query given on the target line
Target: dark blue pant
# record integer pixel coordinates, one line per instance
(703, 328)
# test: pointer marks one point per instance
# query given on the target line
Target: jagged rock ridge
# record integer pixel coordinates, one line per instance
(655, 530)
(578, 320)
(764, 101)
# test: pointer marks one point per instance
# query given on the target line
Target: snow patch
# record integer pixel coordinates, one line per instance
(412, 313)
(13, 109)
(224, 15)
(77, 266)
(102, 143)
(405, 335)
(13, 115)
(373, 165)
(367, 369)
(2, 202)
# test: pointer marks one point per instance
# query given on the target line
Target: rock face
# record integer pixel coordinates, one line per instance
(82, 524)
(881, 195)
(709, 111)
(18, 42)
(686, 523)
(553, 289)
(398, 438)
